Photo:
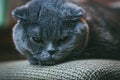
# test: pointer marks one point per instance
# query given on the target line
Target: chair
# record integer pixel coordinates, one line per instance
(96, 69)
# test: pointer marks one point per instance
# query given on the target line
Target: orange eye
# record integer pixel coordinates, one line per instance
(63, 40)
(37, 40)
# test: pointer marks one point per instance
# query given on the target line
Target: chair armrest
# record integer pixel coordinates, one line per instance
(75, 70)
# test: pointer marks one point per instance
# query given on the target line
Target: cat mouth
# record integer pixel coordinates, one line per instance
(48, 62)
(51, 59)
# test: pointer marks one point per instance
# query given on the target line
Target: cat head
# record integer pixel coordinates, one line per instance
(49, 30)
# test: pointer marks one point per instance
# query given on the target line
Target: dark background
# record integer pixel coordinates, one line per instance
(7, 48)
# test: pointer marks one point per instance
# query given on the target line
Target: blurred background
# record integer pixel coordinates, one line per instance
(7, 48)
(7, 22)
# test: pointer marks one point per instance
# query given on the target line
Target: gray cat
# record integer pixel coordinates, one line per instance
(53, 31)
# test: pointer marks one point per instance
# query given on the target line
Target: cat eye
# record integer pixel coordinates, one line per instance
(37, 40)
(63, 39)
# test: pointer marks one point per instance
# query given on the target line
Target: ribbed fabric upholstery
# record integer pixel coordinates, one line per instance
(74, 70)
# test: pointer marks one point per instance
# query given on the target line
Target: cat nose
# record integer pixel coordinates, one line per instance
(51, 51)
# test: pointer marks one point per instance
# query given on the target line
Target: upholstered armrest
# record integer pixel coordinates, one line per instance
(75, 70)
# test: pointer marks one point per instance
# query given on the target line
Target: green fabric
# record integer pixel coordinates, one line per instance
(74, 70)
(3, 12)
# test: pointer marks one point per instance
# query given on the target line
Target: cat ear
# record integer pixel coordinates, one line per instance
(20, 13)
(75, 11)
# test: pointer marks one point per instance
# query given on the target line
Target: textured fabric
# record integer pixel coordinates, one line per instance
(75, 70)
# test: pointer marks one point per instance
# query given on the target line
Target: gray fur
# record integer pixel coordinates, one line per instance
(49, 20)
(50, 31)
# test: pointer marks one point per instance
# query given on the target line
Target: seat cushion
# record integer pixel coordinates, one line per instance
(75, 70)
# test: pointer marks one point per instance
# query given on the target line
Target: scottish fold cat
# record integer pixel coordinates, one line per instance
(54, 31)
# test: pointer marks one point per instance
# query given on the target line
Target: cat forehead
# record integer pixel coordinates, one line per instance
(49, 8)
(41, 30)
(45, 28)
(38, 10)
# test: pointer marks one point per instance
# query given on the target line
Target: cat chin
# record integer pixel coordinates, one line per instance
(51, 62)
(59, 56)
(55, 59)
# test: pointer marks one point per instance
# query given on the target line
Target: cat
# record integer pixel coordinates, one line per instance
(49, 32)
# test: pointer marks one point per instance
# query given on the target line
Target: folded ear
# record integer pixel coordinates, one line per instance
(75, 11)
(20, 13)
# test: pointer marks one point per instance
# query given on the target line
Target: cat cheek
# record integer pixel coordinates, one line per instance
(59, 56)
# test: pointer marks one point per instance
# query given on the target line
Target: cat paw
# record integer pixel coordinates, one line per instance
(32, 60)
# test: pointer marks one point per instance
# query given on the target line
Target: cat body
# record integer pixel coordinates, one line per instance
(53, 31)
